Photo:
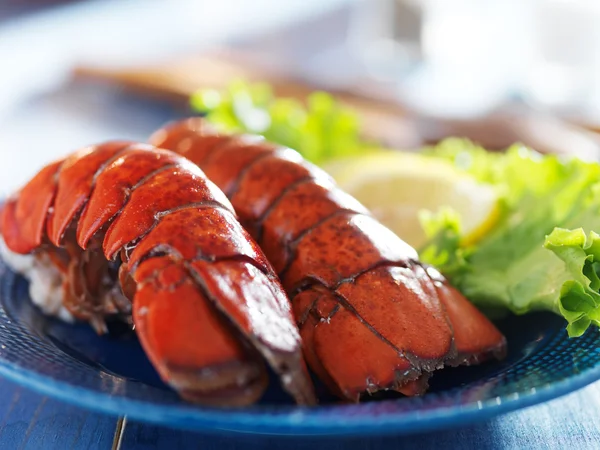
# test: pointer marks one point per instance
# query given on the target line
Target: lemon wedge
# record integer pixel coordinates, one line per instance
(396, 186)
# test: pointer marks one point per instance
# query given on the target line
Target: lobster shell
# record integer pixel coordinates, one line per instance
(371, 316)
(207, 305)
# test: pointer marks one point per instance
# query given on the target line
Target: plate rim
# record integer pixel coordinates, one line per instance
(281, 420)
(294, 423)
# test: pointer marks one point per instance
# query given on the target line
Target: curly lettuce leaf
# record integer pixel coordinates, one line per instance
(443, 231)
(517, 172)
(530, 260)
(579, 296)
(320, 129)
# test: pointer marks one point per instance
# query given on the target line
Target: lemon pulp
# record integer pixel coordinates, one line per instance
(396, 186)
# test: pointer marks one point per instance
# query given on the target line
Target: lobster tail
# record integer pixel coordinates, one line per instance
(207, 306)
(371, 316)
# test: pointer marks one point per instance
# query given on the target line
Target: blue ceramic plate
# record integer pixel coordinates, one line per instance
(112, 375)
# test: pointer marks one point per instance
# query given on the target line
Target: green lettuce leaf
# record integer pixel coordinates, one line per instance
(320, 128)
(579, 297)
(443, 248)
(531, 260)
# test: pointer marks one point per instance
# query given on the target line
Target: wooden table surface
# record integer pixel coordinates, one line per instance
(32, 421)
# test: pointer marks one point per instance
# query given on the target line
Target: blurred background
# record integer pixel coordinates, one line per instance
(498, 71)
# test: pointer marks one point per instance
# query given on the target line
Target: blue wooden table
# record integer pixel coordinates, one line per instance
(32, 421)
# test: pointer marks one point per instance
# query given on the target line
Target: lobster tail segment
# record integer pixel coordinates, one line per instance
(189, 342)
(23, 220)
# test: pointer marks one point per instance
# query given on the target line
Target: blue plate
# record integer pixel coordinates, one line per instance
(112, 375)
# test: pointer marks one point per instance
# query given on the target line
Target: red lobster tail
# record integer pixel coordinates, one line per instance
(207, 305)
(351, 280)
